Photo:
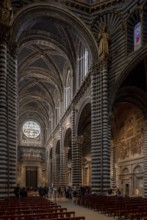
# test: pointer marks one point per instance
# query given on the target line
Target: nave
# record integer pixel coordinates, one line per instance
(93, 207)
(34, 207)
(80, 210)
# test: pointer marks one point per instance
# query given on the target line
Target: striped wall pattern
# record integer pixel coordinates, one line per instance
(96, 130)
(3, 121)
(133, 20)
(57, 170)
(62, 160)
(8, 123)
(76, 157)
(50, 166)
(11, 119)
(66, 163)
(54, 174)
(145, 156)
(100, 131)
(106, 129)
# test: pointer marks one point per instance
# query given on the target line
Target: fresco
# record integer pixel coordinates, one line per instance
(130, 138)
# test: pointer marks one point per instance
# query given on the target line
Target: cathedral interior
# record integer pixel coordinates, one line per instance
(73, 95)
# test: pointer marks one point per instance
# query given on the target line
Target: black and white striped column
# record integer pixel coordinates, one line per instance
(76, 155)
(54, 167)
(3, 121)
(11, 117)
(62, 161)
(8, 117)
(100, 130)
(145, 157)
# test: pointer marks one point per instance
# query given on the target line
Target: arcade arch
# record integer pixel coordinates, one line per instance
(129, 133)
(84, 143)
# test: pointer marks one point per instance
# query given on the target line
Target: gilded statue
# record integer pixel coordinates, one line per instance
(6, 12)
(103, 43)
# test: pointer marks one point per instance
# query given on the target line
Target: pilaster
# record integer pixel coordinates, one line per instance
(76, 153)
(100, 129)
(62, 160)
(8, 112)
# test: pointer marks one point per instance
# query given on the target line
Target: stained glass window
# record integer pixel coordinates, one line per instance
(31, 129)
(137, 36)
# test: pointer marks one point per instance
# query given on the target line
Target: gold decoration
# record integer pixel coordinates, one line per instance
(103, 41)
(6, 12)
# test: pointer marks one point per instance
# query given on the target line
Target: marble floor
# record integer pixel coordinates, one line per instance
(81, 211)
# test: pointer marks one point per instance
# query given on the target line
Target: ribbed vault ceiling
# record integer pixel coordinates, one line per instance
(47, 51)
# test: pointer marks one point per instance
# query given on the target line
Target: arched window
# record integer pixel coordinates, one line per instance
(134, 32)
(86, 62)
(137, 36)
(68, 89)
(82, 64)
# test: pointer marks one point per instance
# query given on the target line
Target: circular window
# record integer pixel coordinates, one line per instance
(31, 129)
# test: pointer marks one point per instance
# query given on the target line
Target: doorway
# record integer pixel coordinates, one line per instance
(127, 190)
(31, 177)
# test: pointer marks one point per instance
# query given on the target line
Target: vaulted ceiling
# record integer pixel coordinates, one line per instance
(47, 51)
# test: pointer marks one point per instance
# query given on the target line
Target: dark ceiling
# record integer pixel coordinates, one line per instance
(47, 51)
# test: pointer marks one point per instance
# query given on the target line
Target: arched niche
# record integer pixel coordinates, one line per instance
(84, 134)
(57, 171)
(138, 177)
(128, 143)
(50, 167)
(68, 156)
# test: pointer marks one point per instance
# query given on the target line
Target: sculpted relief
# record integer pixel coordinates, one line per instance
(130, 136)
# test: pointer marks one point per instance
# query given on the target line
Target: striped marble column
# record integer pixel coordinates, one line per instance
(100, 130)
(76, 155)
(50, 173)
(3, 121)
(145, 157)
(66, 150)
(62, 161)
(54, 167)
(8, 114)
(11, 116)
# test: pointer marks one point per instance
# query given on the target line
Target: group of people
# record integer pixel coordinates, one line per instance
(20, 192)
(43, 191)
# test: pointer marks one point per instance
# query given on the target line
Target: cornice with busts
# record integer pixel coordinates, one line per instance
(93, 7)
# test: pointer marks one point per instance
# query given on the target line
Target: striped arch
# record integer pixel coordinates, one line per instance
(68, 155)
(136, 59)
(83, 104)
(22, 21)
(113, 21)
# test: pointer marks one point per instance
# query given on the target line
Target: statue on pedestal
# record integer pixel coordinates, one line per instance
(103, 43)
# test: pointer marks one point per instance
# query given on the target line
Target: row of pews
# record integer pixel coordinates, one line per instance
(34, 208)
(133, 208)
